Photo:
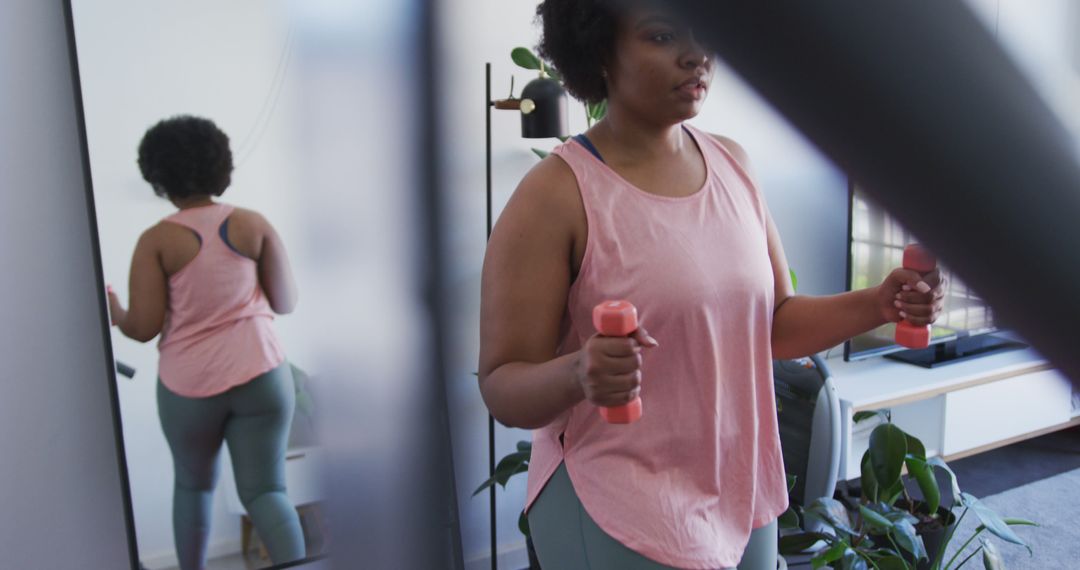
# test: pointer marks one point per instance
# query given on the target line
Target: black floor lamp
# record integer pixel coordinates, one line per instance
(542, 106)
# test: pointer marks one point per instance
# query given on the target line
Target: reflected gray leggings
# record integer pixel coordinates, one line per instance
(565, 536)
(254, 418)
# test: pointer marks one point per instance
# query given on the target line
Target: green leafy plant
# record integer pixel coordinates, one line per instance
(790, 518)
(508, 466)
(885, 530)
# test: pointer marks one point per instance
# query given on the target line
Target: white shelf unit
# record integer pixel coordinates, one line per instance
(956, 410)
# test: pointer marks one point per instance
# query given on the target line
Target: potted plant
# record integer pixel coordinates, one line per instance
(508, 466)
(889, 529)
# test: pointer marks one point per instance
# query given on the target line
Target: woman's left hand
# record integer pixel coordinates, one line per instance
(908, 295)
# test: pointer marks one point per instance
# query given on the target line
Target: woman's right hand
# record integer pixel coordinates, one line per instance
(116, 309)
(609, 370)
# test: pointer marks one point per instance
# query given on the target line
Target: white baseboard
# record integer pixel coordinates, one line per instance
(167, 559)
(511, 556)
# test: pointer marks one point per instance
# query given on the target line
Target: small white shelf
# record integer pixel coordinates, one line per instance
(867, 384)
(957, 409)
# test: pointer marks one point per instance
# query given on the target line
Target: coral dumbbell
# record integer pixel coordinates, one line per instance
(617, 318)
(916, 258)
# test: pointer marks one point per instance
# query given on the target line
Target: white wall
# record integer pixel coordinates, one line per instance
(144, 61)
(1043, 38)
(60, 483)
(806, 196)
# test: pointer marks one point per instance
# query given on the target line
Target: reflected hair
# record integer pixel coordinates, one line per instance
(186, 156)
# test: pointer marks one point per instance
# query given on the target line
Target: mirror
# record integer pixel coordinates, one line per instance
(140, 63)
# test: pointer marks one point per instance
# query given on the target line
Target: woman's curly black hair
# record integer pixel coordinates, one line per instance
(186, 156)
(578, 40)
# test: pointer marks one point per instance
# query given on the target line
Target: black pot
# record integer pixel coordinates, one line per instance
(534, 562)
(932, 539)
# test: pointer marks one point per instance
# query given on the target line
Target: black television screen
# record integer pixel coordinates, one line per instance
(875, 247)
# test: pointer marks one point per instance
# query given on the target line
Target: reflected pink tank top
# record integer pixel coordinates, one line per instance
(218, 329)
(686, 483)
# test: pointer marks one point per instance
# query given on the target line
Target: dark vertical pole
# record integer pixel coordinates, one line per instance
(491, 420)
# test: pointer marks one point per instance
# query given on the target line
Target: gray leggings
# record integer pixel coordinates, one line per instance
(565, 536)
(254, 418)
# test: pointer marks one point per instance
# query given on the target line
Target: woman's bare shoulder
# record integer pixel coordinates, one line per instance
(549, 188)
(247, 216)
(734, 148)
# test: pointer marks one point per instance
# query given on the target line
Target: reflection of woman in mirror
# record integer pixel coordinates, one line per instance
(209, 279)
(645, 208)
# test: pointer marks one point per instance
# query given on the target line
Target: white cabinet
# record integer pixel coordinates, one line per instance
(1001, 410)
(956, 410)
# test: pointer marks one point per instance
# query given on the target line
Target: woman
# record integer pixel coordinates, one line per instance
(209, 278)
(648, 209)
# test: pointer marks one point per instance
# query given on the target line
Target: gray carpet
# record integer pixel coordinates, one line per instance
(1054, 503)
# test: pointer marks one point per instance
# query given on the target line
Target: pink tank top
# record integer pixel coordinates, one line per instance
(686, 483)
(218, 328)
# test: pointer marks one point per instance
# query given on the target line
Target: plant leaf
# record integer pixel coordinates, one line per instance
(888, 446)
(894, 514)
(524, 446)
(795, 286)
(915, 447)
(894, 492)
(517, 462)
(924, 476)
(992, 521)
(906, 537)
(833, 554)
(991, 558)
(790, 519)
(541, 153)
(511, 465)
(524, 57)
(487, 483)
(596, 111)
(523, 523)
(1018, 522)
(796, 543)
(860, 416)
(870, 489)
(1013, 522)
(831, 512)
(875, 520)
(940, 463)
(852, 561)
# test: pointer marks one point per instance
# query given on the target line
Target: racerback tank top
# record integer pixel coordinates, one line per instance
(218, 329)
